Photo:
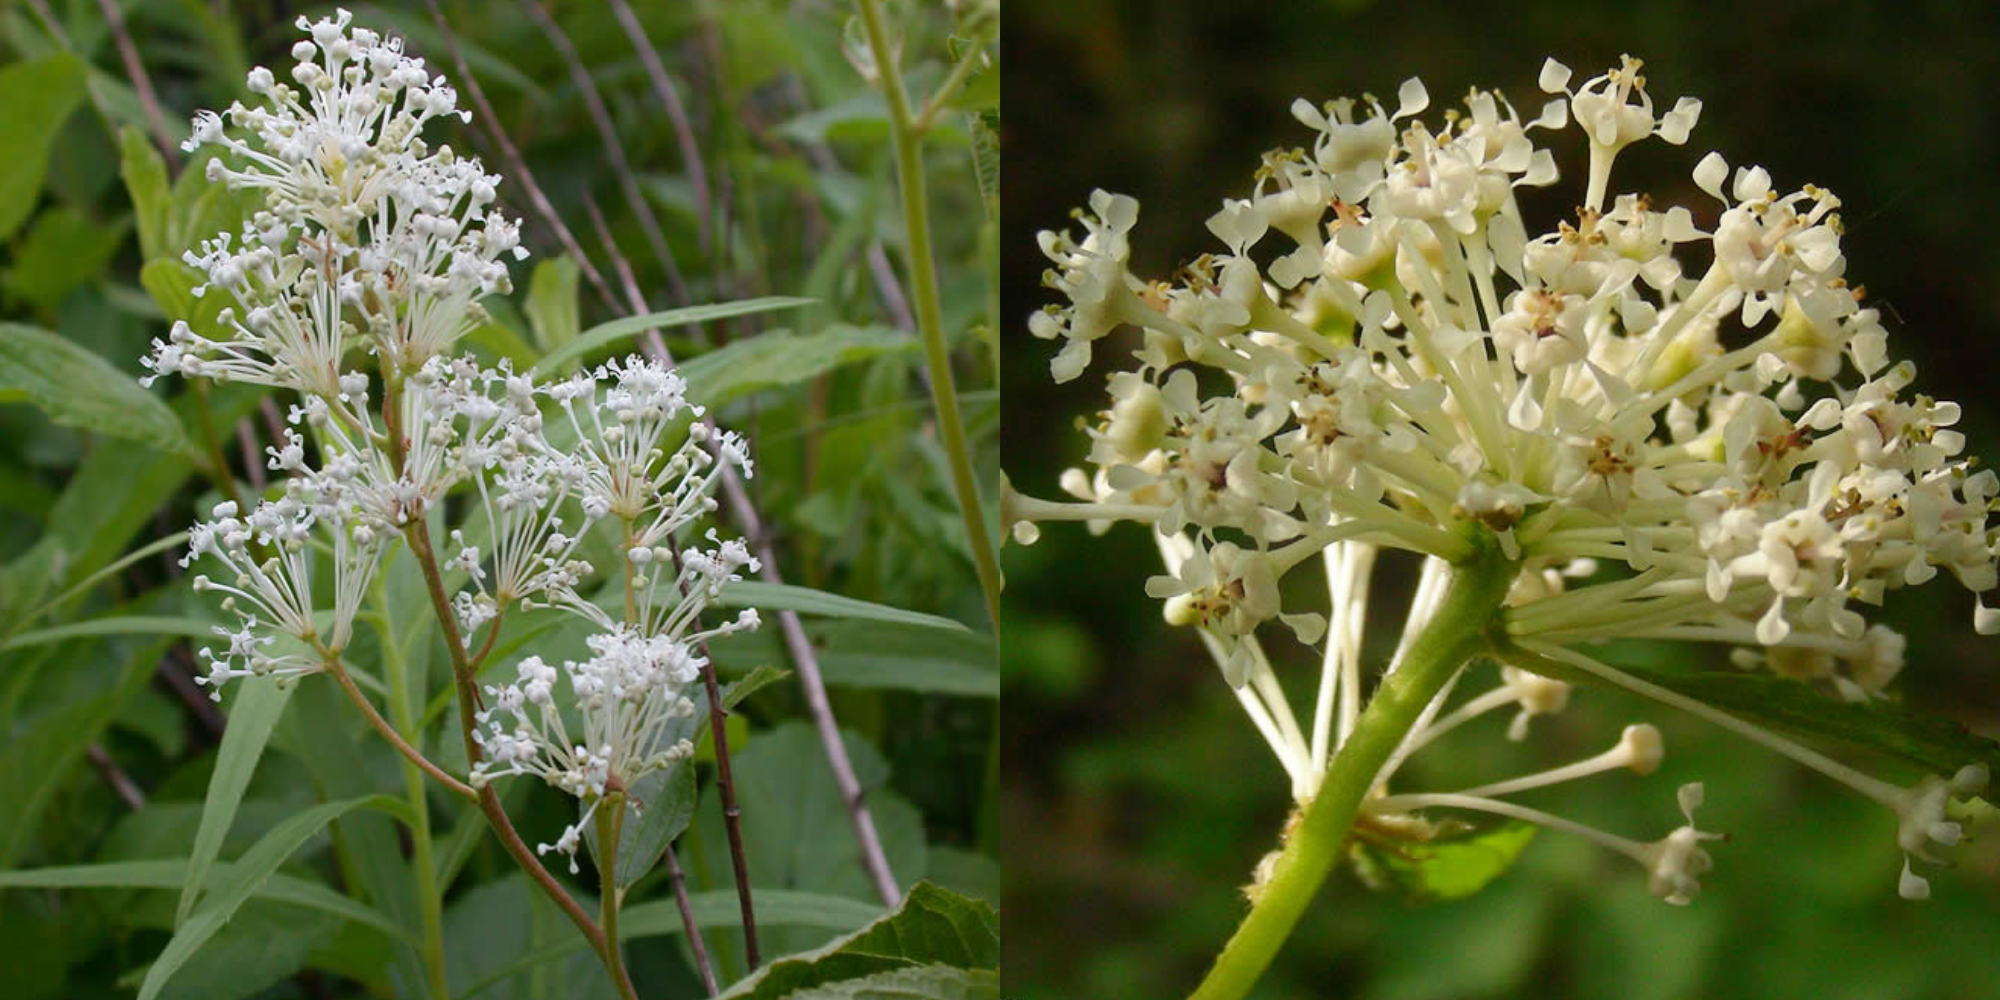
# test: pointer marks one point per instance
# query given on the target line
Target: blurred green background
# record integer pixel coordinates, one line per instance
(1139, 797)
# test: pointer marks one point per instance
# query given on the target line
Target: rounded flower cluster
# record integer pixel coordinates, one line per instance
(366, 233)
(631, 688)
(1412, 357)
(1679, 422)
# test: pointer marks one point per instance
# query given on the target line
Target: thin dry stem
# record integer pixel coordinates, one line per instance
(127, 790)
(142, 84)
(679, 881)
(536, 197)
(621, 166)
(676, 113)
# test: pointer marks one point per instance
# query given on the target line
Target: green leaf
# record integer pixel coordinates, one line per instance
(199, 210)
(551, 303)
(79, 389)
(259, 702)
(665, 806)
(934, 927)
(192, 628)
(863, 117)
(264, 946)
(62, 251)
(780, 357)
(243, 881)
(712, 910)
(797, 833)
(344, 757)
(119, 485)
(37, 760)
(510, 920)
(35, 98)
(873, 654)
(145, 176)
(173, 874)
(605, 334)
(807, 601)
(1933, 743)
(986, 158)
(1447, 868)
(923, 982)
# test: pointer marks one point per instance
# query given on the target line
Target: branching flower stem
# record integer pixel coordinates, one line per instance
(395, 739)
(1455, 634)
(418, 536)
(907, 133)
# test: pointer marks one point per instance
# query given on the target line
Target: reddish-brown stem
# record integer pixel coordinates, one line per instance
(725, 782)
(492, 633)
(700, 947)
(122, 784)
(418, 536)
(142, 85)
(415, 756)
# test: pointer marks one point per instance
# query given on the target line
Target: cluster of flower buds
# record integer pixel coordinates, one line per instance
(1414, 357)
(368, 238)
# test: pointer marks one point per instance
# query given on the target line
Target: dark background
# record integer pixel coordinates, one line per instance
(1139, 797)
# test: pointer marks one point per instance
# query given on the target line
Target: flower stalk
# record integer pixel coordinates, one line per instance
(1456, 633)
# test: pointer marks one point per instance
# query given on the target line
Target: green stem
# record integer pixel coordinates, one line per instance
(610, 824)
(908, 141)
(430, 894)
(1455, 634)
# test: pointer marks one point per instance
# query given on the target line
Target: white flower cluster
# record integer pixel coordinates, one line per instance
(1713, 411)
(369, 239)
(366, 234)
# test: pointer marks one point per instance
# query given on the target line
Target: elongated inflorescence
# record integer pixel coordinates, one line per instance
(1674, 431)
(370, 243)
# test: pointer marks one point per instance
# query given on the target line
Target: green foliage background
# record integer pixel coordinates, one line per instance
(850, 480)
(1139, 798)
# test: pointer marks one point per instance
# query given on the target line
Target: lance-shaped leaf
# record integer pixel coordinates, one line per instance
(76, 388)
(243, 881)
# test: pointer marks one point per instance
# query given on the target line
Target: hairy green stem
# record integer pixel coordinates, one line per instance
(908, 140)
(1455, 634)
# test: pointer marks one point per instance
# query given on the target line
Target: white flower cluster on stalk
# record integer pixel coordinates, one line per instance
(371, 243)
(1674, 432)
